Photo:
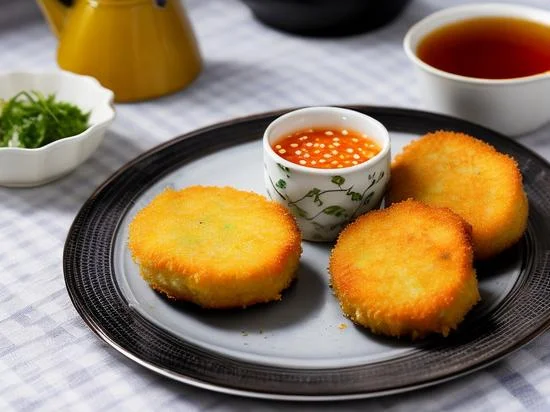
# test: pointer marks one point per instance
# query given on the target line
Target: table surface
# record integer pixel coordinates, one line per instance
(51, 360)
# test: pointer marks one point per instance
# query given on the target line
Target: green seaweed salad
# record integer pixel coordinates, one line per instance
(31, 120)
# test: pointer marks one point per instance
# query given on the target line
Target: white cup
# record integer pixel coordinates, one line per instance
(324, 201)
(510, 106)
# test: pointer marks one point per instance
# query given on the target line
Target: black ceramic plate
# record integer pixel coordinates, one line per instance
(301, 348)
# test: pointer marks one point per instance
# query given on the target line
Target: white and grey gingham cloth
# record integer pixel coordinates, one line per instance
(51, 361)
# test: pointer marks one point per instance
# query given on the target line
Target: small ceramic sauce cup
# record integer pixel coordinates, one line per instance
(324, 201)
(511, 106)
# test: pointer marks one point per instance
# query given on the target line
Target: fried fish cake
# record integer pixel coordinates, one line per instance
(406, 270)
(472, 178)
(218, 247)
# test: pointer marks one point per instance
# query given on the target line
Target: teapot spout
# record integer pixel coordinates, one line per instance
(54, 11)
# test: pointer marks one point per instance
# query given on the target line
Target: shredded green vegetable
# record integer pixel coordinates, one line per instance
(32, 120)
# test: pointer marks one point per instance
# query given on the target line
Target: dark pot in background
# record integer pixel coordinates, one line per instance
(326, 17)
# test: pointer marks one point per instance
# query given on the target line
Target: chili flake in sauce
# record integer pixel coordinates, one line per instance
(326, 148)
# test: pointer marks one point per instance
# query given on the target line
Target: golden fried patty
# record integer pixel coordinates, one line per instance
(472, 178)
(405, 270)
(218, 247)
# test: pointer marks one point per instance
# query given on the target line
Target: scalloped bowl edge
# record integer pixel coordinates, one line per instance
(21, 167)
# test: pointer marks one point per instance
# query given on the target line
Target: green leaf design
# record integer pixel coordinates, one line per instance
(281, 184)
(317, 225)
(334, 211)
(356, 196)
(313, 192)
(338, 180)
(316, 194)
(301, 212)
(368, 198)
(284, 169)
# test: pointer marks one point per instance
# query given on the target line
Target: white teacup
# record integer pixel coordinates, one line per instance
(323, 201)
(511, 106)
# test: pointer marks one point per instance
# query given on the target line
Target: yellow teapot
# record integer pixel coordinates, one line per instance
(140, 49)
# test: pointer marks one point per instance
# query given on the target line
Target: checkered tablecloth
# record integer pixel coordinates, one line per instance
(51, 361)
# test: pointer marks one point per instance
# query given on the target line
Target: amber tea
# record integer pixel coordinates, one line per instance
(489, 48)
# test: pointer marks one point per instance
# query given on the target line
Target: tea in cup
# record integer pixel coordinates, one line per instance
(486, 63)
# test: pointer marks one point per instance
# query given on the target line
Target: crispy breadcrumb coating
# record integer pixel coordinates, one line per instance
(406, 270)
(472, 178)
(218, 247)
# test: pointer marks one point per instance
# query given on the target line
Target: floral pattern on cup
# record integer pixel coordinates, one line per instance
(321, 218)
(323, 201)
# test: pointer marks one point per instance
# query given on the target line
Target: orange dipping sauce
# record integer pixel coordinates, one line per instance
(326, 148)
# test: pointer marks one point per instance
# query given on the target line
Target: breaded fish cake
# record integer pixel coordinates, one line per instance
(472, 178)
(406, 270)
(218, 247)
